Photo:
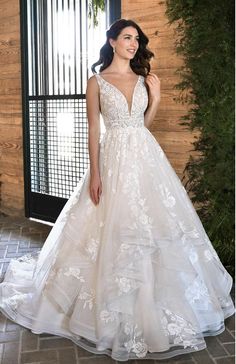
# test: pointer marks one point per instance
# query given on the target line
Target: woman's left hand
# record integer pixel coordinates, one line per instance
(154, 87)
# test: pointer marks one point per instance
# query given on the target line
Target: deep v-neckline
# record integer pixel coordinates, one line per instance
(129, 107)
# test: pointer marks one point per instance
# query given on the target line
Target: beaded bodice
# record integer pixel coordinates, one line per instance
(115, 108)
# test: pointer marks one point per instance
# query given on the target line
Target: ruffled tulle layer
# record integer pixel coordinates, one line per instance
(135, 276)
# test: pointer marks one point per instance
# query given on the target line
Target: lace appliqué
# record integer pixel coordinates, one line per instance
(72, 272)
(15, 301)
(29, 258)
(168, 199)
(136, 202)
(108, 316)
(198, 291)
(92, 248)
(125, 285)
(181, 330)
(88, 298)
(136, 343)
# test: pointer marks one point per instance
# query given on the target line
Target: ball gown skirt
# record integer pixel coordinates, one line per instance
(135, 277)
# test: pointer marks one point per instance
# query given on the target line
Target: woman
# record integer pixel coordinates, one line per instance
(128, 269)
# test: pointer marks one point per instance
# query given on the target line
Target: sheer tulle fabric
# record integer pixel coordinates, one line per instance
(136, 276)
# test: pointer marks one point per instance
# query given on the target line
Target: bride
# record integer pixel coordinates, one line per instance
(128, 269)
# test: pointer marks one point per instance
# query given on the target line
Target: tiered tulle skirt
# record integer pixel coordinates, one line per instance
(133, 277)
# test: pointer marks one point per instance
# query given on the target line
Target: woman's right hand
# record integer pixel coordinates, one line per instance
(95, 188)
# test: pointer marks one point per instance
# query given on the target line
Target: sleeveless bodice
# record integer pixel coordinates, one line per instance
(114, 106)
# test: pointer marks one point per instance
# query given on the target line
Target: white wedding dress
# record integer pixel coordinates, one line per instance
(135, 276)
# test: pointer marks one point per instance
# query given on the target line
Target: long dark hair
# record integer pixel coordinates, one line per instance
(140, 63)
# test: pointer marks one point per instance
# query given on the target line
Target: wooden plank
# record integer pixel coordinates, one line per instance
(167, 104)
(14, 155)
(10, 24)
(10, 86)
(12, 207)
(167, 124)
(12, 166)
(11, 155)
(10, 120)
(15, 146)
(139, 8)
(10, 55)
(158, 43)
(174, 142)
(10, 71)
(164, 61)
(9, 189)
(12, 178)
(10, 132)
(9, 40)
(9, 9)
(10, 104)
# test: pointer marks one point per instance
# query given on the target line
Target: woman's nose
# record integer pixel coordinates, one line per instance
(134, 42)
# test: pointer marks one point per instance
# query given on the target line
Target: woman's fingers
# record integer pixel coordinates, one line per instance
(100, 190)
(92, 195)
(152, 78)
(95, 195)
(95, 189)
(153, 83)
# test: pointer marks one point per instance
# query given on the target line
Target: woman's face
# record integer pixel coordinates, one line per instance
(127, 43)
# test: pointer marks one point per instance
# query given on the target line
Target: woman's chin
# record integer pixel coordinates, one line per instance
(128, 57)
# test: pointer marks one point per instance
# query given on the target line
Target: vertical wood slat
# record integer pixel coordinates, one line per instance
(11, 156)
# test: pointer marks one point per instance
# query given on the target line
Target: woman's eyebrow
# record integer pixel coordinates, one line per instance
(130, 35)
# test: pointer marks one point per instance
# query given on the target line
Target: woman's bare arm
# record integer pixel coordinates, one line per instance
(154, 98)
(93, 115)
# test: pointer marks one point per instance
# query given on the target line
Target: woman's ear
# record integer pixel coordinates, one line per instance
(112, 42)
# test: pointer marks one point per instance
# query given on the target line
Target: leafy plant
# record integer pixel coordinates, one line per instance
(205, 39)
(93, 7)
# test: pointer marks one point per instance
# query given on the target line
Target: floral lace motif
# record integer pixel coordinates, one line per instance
(198, 291)
(179, 329)
(135, 342)
(15, 300)
(168, 199)
(125, 285)
(28, 258)
(72, 272)
(88, 298)
(92, 248)
(108, 316)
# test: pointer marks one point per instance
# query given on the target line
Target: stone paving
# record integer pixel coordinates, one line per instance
(20, 346)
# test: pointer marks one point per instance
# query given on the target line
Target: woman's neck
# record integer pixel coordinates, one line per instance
(120, 66)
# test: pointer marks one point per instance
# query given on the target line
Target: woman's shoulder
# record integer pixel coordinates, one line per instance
(92, 78)
(93, 83)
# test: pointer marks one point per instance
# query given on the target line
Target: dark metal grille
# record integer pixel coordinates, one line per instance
(58, 147)
(62, 44)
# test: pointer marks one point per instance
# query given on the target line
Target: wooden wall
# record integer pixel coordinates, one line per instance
(11, 159)
(175, 139)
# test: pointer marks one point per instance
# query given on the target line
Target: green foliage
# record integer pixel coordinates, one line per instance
(205, 38)
(93, 8)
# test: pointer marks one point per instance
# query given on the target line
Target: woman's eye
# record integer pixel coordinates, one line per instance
(127, 37)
